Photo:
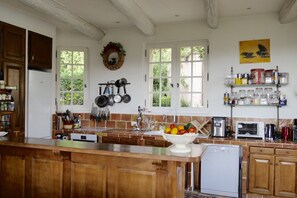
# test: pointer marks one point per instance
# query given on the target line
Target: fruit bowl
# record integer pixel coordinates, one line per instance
(180, 143)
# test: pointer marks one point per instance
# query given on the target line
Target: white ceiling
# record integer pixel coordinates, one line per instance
(104, 15)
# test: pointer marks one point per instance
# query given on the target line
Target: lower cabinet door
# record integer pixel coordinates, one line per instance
(286, 176)
(12, 176)
(261, 174)
(46, 178)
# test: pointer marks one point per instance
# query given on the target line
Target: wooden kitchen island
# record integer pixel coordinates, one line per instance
(32, 167)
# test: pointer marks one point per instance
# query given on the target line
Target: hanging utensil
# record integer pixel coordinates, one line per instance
(117, 98)
(111, 96)
(102, 101)
(126, 97)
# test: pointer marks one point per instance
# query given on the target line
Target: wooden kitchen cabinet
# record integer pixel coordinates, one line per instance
(12, 42)
(273, 171)
(261, 170)
(106, 176)
(14, 74)
(12, 63)
(33, 173)
(286, 173)
(39, 51)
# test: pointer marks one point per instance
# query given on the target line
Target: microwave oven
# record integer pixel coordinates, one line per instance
(246, 129)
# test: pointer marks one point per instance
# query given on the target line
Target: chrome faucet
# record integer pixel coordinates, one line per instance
(139, 119)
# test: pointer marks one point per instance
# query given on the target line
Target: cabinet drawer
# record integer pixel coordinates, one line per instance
(286, 152)
(261, 150)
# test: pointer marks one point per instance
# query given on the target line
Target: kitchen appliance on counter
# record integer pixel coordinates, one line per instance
(221, 170)
(245, 129)
(83, 137)
(270, 130)
(218, 127)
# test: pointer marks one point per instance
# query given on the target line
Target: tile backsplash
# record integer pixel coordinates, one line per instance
(123, 121)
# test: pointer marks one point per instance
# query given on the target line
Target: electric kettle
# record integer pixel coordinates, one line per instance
(269, 131)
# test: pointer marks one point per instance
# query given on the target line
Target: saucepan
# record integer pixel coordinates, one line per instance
(126, 98)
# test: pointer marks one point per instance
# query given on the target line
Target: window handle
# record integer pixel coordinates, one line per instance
(177, 84)
(85, 85)
(171, 84)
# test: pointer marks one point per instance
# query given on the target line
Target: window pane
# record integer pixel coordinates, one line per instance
(154, 55)
(65, 85)
(185, 85)
(185, 100)
(197, 84)
(78, 57)
(156, 100)
(197, 69)
(166, 55)
(166, 100)
(198, 53)
(65, 71)
(78, 71)
(165, 86)
(78, 85)
(185, 69)
(66, 57)
(197, 100)
(166, 70)
(156, 70)
(78, 98)
(185, 54)
(156, 85)
(65, 98)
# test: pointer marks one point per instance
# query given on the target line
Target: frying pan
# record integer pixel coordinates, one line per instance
(118, 98)
(126, 98)
(102, 100)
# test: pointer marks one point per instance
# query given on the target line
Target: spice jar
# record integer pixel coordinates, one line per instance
(245, 78)
(284, 78)
(268, 77)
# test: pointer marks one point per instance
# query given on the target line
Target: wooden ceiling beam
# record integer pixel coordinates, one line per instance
(211, 8)
(133, 11)
(288, 12)
(60, 12)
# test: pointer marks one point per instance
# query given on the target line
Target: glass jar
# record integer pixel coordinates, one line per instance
(242, 94)
(238, 79)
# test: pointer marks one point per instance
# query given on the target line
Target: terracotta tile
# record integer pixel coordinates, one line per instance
(184, 119)
(160, 118)
(110, 124)
(134, 117)
(170, 119)
(116, 117)
(120, 125)
(85, 123)
(126, 117)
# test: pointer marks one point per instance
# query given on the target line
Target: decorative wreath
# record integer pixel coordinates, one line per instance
(113, 55)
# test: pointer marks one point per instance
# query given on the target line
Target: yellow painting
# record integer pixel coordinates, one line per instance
(255, 51)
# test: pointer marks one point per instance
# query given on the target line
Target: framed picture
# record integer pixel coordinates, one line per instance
(254, 51)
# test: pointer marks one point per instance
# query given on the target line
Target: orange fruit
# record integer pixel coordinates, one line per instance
(180, 127)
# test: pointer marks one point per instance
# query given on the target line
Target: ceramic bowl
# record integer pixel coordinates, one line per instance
(180, 143)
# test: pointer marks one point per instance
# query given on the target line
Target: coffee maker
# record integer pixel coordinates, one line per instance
(218, 127)
(294, 130)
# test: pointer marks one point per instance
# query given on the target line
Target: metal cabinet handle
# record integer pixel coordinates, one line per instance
(32, 58)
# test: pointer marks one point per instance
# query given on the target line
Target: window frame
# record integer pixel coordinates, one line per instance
(175, 109)
(73, 108)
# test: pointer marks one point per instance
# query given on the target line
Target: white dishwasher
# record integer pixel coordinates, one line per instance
(221, 170)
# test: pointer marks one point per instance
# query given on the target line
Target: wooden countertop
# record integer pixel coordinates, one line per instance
(144, 152)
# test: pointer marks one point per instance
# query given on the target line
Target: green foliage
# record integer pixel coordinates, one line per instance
(72, 78)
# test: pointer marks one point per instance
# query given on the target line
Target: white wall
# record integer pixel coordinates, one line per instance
(224, 53)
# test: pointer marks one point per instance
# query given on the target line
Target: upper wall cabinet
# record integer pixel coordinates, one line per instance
(39, 51)
(12, 42)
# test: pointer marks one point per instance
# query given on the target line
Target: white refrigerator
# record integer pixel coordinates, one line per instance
(39, 104)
